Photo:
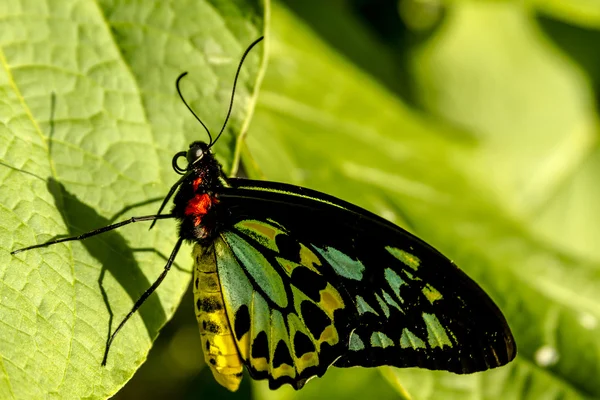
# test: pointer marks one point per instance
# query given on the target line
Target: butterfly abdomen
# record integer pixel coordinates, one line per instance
(220, 351)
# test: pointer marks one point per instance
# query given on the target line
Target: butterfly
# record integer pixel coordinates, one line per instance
(289, 281)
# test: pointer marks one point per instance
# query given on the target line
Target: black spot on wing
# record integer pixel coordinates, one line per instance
(211, 327)
(242, 322)
(302, 344)
(260, 346)
(282, 355)
(288, 247)
(315, 319)
(209, 304)
(309, 282)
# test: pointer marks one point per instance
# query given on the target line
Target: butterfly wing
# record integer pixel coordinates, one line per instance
(311, 281)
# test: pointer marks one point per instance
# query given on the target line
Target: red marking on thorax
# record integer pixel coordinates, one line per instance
(197, 182)
(199, 206)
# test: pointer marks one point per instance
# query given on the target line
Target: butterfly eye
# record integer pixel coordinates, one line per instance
(176, 167)
(197, 155)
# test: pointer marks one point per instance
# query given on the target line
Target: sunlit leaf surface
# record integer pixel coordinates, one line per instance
(117, 124)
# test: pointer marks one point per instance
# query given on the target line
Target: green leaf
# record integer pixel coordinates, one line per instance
(118, 121)
(484, 172)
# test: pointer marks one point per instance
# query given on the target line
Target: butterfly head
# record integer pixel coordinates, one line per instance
(196, 153)
(197, 156)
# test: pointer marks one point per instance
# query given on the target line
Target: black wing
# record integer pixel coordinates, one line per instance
(403, 304)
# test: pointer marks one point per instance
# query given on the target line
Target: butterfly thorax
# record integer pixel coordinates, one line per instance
(196, 201)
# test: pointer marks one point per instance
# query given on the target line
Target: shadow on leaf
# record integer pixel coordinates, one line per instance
(113, 253)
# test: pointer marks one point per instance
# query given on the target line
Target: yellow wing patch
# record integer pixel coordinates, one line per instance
(262, 232)
(308, 258)
(331, 300)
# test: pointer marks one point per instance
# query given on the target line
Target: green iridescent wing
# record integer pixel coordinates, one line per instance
(311, 281)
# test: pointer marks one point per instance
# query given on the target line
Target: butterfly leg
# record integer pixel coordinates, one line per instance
(96, 232)
(143, 297)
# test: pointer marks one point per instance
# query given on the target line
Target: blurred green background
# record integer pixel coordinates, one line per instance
(473, 124)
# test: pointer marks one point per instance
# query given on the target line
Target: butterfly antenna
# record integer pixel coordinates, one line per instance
(237, 74)
(189, 108)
